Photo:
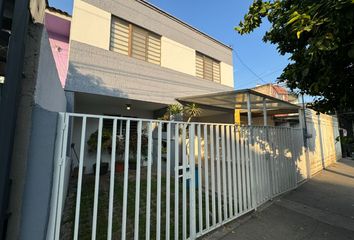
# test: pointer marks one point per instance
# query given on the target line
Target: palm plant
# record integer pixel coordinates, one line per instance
(192, 110)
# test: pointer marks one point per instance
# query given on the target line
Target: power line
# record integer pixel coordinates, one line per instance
(251, 71)
(249, 81)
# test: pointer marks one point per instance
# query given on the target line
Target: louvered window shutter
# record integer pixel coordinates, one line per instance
(199, 65)
(129, 39)
(139, 50)
(216, 71)
(207, 68)
(154, 48)
(119, 36)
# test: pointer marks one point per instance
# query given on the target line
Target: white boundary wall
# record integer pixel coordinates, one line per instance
(323, 149)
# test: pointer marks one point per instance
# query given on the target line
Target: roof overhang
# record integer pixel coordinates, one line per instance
(238, 100)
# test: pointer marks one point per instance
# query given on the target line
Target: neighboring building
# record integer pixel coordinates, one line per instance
(57, 24)
(279, 92)
(142, 57)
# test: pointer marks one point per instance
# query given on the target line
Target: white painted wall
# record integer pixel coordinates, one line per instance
(323, 148)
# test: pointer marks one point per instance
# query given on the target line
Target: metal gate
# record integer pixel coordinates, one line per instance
(125, 178)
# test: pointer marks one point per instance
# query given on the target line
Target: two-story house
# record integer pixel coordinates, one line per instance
(130, 58)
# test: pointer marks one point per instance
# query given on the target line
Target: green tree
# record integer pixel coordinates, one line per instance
(318, 36)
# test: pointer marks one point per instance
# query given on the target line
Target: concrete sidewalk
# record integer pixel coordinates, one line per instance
(322, 208)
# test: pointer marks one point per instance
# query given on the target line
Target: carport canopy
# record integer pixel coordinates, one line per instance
(246, 100)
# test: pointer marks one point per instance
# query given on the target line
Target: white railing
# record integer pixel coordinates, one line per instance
(179, 180)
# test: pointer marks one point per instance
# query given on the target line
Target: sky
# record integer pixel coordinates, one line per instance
(255, 62)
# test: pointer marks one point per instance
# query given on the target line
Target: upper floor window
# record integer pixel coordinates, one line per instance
(207, 68)
(134, 41)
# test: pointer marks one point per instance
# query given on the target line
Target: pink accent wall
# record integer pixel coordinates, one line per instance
(59, 33)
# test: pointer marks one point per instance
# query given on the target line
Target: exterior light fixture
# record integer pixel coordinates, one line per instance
(128, 106)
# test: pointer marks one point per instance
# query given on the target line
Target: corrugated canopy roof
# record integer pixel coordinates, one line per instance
(237, 99)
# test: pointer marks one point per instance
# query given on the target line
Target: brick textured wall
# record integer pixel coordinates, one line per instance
(98, 71)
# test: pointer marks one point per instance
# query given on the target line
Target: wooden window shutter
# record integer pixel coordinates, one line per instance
(216, 72)
(208, 68)
(154, 48)
(129, 39)
(139, 40)
(119, 40)
(199, 65)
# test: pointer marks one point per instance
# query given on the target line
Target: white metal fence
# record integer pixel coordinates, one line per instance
(179, 180)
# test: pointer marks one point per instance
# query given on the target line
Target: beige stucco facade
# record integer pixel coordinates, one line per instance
(177, 56)
(91, 25)
(227, 74)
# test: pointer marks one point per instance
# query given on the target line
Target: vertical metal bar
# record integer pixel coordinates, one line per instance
(243, 168)
(148, 182)
(137, 188)
(200, 193)
(288, 159)
(111, 186)
(176, 230)
(294, 150)
(125, 184)
(247, 165)
(251, 167)
(158, 203)
(272, 160)
(97, 179)
(224, 183)
(249, 110)
(218, 172)
(192, 215)
(212, 163)
(229, 179)
(292, 159)
(238, 164)
(269, 163)
(62, 167)
(56, 178)
(277, 160)
(260, 175)
(266, 162)
(281, 172)
(206, 162)
(184, 182)
(234, 174)
(286, 170)
(265, 117)
(79, 182)
(257, 167)
(168, 179)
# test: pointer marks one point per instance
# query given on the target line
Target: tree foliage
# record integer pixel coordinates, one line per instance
(319, 37)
